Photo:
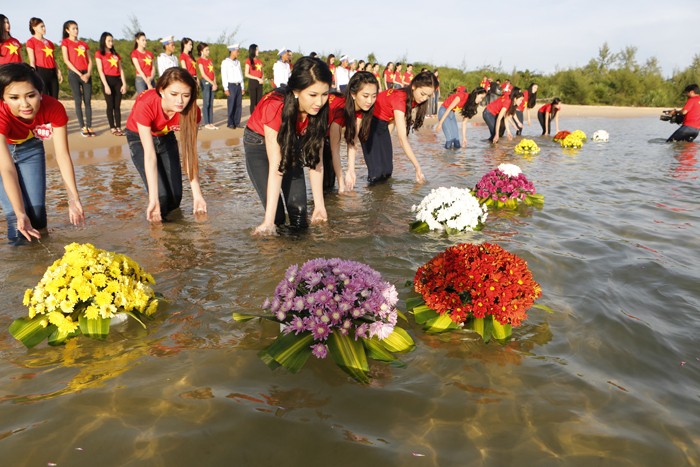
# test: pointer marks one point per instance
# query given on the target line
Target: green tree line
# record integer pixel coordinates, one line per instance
(611, 78)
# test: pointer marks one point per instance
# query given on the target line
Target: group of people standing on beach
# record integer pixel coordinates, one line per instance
(301, 123)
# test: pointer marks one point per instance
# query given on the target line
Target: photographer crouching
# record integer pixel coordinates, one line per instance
(688, 117)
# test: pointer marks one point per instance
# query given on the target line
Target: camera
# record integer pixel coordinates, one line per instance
(672, 116)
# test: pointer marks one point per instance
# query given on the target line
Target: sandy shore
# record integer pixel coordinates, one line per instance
(105, 146)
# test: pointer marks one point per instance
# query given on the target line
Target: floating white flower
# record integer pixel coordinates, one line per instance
(511, 170)
(601, 136)
(454, 209)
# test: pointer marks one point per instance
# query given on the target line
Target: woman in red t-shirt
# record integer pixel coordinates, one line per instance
(208, 84)
(143, 64)
(187, 60)
(496, 113)
(109, 67)
(254, 72)
(41, 53)
(10, 48)
(394, 107)
(356, 107)
(548, 112)
(389, 76)
(79, 62)
(26, 119)
(458, 102)
(156, 114)
(284, 135)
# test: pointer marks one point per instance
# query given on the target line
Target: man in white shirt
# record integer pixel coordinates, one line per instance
(232, 80)
(281, 69)
(342, 74)
(167, 59)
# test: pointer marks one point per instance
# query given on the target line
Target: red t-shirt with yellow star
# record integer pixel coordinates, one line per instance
(208, 67)
(336, 109)
(51, 115)
(257, 68)
(148, 111)
(496, 106)
(407, 77)
(77, 53)
(110, 63)
(10, 51)
(389, 75)
(145, 60)
(268, 113)
(461, 98)
(189, 64)
(43, 52)
(388, 101)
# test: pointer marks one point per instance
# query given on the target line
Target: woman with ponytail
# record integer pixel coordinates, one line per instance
(496, 113)
(284, 135)
(352, 111)
(394, 107)
(156, 114)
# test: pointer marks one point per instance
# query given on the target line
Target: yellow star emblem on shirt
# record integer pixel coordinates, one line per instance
(258, 66)
(148, 61)
(113, 61)
(12, 48)
(48, 51)
(210, 67)
(80, 51)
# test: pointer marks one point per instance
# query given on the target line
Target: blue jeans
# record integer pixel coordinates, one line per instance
(169, 170)
(207, 102)
(30, 163)
(684, 133)
(450, 128)
(141, 85)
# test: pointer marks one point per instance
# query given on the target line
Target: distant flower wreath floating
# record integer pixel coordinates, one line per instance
(559, 137)
(337, 307)
(81, 293)
(479, 287)
(601, 136)
(507, 186)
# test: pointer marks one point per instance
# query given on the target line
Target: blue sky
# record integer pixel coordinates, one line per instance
(536, 34)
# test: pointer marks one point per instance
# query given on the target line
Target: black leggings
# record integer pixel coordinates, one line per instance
(82, 91)
(378, 151)
(542, 117)
(255, 91)
(293, 194)
(328, 169)
(169, 170)
(50, 78)
(114, 101)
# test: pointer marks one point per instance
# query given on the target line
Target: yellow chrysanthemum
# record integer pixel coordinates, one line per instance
(27, 297)
(99, 279)
(152, 307)
(103, 298)
(92, 312)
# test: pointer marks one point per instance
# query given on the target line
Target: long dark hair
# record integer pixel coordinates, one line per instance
(251, 55)
(103, 44)
(19, 73)
(514, 94)
(188, 118)
(201, 46)
(471, 107)
(357, 82)
(136, 38)
(422, 79)
(553, 111)
(66, 25)
(531, 96)
(183, 43)
(303, 150)
(4, 35)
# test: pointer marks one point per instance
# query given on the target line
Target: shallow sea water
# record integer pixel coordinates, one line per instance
(612, 378)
